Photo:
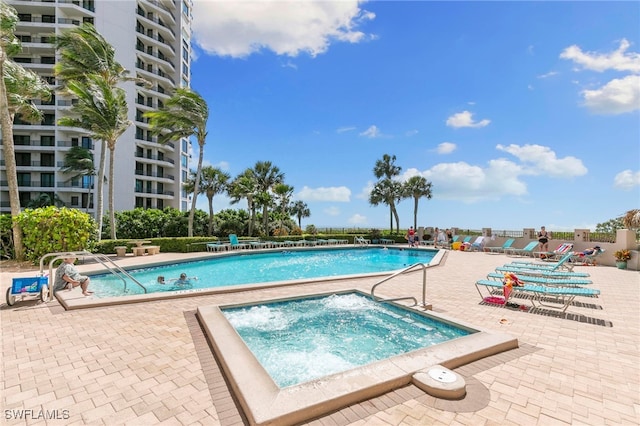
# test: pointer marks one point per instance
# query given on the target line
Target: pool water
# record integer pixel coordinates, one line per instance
(247, 268)
(304, 339)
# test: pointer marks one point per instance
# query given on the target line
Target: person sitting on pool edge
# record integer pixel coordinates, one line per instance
(68, 277)
(161, 279)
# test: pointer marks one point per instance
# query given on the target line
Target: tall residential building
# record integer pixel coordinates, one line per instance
(152, 39)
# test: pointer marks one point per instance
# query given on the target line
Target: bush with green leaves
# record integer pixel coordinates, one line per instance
(53, 229)
(6, 237)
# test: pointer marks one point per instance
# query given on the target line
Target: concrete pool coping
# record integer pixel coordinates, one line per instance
(264, 403)
(74, 299)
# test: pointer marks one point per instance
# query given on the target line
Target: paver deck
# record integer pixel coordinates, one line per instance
(149, 363)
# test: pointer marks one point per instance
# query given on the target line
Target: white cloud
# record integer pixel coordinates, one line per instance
(364, 194)
(331, 211)
(345, 129)
(411, 133)
(549, 74)
(446, 148)
(372, 132)
(469, 183)
(357, 219)
(627, 180)
(289, 64)
(240, 28)
(616, 97)
(333, 194)
(541, 160)
(618, 60)
(465, 119)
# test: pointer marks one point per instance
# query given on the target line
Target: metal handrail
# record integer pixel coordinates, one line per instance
(101, 258)
(400, 272)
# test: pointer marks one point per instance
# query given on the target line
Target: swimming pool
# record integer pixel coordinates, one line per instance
(266, 403)
(242, 268)
(308, 338)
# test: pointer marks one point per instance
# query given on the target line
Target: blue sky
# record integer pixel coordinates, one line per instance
(521, 114)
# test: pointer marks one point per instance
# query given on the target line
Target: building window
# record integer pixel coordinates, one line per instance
(23, 159)
(185, 145)
(24, 179)
(184, 160)
(47, 140)
(21, 140)
(75, 201)
(185, 8)
(160, 204)
(87, 182)
(47, 160)
(87, 142)
(139, 202)
(49, 120)
(149, 203)
(138, 186)
(47, 180)
(185, 69)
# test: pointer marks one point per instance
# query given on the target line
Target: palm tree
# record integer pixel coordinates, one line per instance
(79, 161)
(84, 52)
(102, 111)
(213, 181)
(631, 219)
(300, 209)
(267, 176)
(44, 200)
(245, 186)
(387, 192)
(17, 89)
(390, 190)
(416, 187)
(283, 193)
(185, 114)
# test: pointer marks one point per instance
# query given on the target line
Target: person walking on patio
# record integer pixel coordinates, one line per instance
(543, 239)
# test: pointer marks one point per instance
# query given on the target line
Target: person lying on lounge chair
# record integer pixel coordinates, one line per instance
(589, 251)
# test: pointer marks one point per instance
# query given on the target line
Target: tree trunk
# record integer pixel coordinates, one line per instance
(100, 189)
(265, 219)
(415, 213)
(390, 219)
(196, 188)
(210, 214)
(252, 215)
(6, 120)
(395, 214)
(112, 213)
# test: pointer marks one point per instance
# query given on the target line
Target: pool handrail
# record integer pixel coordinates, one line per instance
(101, 258)
(400, 272)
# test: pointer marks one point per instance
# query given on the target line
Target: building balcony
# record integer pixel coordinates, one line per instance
(156, 159)
(154, 191)
(77, 6)
(162, 177)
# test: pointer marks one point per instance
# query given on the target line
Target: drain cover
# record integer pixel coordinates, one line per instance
(440, 382)
(444, 376)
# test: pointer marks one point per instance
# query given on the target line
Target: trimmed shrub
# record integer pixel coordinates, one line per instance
(53, 229)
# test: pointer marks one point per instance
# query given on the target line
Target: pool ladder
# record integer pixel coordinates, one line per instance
(400, 272)
(103, 259)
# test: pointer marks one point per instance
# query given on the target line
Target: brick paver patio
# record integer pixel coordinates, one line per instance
(149, 363)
